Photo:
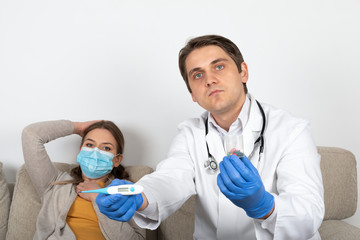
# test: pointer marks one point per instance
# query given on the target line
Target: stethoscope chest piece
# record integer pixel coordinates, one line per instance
(211, 165)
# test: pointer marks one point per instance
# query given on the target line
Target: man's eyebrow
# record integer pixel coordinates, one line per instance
(193, 70)
(219, 60)
(212, 63)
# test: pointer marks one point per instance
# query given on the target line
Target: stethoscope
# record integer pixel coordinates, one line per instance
(211, 165)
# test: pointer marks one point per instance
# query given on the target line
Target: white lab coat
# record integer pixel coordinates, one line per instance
(289, 169)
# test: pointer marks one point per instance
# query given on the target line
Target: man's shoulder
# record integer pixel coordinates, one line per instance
(277, 115)
(282, 123)
(194, 123)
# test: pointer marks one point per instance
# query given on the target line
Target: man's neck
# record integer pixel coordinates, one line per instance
(227, 117)
(225, 120)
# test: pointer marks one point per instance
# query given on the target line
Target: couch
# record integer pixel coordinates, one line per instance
(19, 203)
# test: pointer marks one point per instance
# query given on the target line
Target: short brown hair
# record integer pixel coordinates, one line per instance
(228, 46)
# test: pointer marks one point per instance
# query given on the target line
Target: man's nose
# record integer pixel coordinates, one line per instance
(211, 78)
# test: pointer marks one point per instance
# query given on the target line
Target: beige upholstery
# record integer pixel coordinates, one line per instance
(340, 184)
(339, 230)
(4, 204)
(338, 167)
(26, 203)
(180, 224)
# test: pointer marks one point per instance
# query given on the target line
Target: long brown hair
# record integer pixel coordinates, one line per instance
(116, 172)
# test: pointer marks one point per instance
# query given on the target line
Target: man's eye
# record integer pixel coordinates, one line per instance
(219, 67)
(198, 75)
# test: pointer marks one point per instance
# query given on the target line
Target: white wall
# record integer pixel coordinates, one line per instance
(117, 60)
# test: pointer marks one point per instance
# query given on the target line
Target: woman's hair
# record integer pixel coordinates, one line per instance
(116, 172)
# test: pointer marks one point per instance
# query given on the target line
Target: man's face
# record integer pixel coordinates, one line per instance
(215, 80)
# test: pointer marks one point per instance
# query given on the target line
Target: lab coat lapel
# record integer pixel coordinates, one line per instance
(248, 137)
(252, 131)
(226, 208)
(216, 147)
(227, 211)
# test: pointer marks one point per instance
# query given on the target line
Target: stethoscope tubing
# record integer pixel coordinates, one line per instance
(211, 163)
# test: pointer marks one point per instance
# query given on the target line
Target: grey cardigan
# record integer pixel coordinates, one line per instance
(56, 200)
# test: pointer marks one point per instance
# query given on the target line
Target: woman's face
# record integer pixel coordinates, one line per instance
(103, 140)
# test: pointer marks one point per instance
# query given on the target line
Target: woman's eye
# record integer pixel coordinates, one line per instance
(106, 148)
(219, 67)
(89, 145)
(198, 75)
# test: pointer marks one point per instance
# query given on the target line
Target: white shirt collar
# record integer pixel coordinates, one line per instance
(237, 126)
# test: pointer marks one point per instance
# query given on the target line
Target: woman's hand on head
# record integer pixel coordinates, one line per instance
(80, 127)
(85, 186)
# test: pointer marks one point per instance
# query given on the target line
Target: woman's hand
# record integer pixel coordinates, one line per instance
(85, 186)
(80, 127)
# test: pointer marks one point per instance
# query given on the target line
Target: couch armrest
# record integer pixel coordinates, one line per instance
(338, 168)
(338, 230)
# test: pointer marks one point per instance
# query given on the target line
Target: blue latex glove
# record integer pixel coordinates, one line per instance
(240, 182)
(119, 207)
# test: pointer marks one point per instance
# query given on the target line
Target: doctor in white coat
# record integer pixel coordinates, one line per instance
(275, 191)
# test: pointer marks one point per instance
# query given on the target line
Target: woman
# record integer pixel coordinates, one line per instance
(66, 213)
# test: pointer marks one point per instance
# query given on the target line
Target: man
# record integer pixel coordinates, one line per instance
(273, 192)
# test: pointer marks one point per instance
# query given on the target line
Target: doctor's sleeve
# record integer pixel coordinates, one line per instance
(168, 188)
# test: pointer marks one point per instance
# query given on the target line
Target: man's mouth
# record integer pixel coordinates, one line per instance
(214, 92)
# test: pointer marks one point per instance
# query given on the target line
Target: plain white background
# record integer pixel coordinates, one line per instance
(117, 60)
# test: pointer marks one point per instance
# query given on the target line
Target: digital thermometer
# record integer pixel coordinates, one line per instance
(127, 189)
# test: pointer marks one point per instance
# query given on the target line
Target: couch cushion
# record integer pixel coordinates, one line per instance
(338, 230)
(181, 224)
(137, 172)
(4, 203)
(338, 168)
(26, 203)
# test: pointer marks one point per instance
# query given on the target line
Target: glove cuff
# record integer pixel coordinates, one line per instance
(138, 201)
(262, 208)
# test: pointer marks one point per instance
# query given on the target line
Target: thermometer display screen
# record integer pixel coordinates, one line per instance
(120, 190)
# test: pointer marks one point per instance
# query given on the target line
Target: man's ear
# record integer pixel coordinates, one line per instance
(244, 73)
(192, 96)
(117, 160)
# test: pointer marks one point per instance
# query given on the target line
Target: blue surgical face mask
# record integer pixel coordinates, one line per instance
(95, 163)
